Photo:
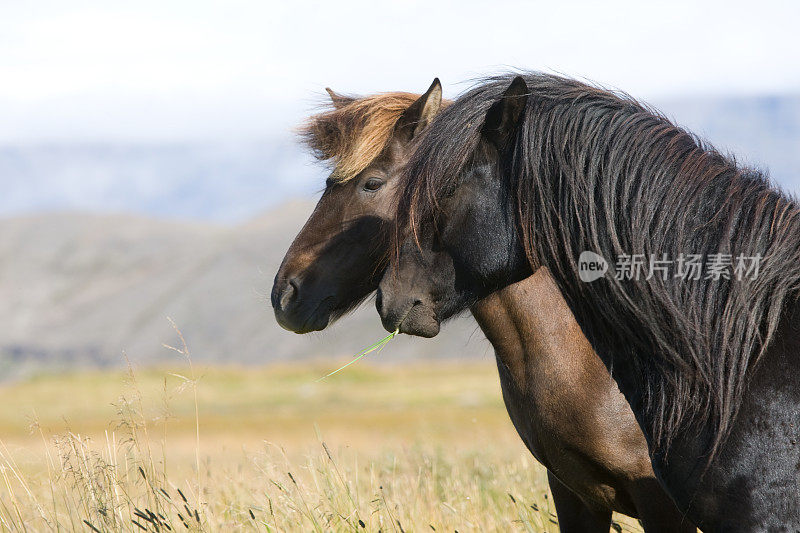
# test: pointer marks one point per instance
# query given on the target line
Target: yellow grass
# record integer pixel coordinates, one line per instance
(390, 448)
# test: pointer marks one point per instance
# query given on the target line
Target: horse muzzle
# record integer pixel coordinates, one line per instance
(295, 313)
(409, 315)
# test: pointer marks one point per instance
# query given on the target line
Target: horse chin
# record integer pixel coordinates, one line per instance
(317, 320)
(420, 321)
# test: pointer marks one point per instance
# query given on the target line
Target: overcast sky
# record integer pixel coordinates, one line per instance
(155, 70)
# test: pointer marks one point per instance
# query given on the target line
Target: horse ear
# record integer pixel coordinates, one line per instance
(504, 115)
(421, 112)
(338, 99)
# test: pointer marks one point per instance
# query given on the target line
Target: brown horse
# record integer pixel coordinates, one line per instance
(338, 258)
(560, 397)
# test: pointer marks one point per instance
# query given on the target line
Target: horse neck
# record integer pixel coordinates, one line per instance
(534, 332)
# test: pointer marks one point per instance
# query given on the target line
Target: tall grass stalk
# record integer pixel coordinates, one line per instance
(360, 355)
(192, 380)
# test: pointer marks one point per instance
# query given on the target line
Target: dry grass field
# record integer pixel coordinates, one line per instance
(424, 447)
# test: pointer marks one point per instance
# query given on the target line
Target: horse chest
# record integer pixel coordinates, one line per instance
(548, 411)
(561, 437)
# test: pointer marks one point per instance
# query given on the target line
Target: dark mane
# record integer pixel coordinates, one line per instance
(595, 170)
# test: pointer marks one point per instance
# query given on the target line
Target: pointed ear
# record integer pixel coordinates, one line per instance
(338, 99)
(504, 116)
(419, 114)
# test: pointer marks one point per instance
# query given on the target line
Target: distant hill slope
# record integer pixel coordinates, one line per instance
(79, 289)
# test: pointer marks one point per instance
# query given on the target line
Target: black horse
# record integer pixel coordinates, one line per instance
(523, 172)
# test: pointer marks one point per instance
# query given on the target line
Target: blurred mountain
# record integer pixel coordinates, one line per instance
(233, 181)
(219, 181)
(760, 131)
(81, 290)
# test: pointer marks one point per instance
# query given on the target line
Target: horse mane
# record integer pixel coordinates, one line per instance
(354, 134)
(591, 169)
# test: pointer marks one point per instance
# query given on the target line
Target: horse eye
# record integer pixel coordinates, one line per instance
(373, 184)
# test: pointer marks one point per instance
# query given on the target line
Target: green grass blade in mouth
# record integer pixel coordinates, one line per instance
(377, 346)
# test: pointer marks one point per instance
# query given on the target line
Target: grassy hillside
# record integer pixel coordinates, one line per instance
(393, 447)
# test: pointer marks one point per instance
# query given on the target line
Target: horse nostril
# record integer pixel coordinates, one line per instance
(289, 292)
